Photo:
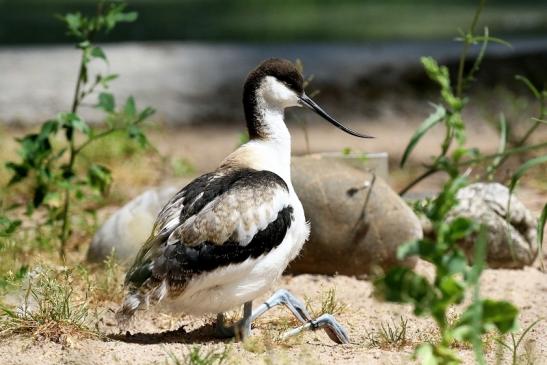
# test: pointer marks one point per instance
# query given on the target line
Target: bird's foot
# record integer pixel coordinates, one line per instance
(328, 323)
(242, 329)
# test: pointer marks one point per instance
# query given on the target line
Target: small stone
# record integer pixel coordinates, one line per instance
(511, 240)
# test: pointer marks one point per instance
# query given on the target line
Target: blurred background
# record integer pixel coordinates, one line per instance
(188, 59)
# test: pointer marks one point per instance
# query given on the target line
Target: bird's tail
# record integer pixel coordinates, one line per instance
(131, 303)
(138, 297)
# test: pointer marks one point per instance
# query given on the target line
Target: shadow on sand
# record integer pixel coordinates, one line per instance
(204, 334)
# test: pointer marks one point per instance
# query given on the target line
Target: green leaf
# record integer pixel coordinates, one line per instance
(501, 314)
(424, 353)
(136, 134)
(49, 128)
(106, 102)
(105, 80)
(454, 263)
(74, 121)
(423, 248)
(522, 170)
(8, 226)
(97, 52)
(402, 285)
(460, 228)
(145, 114)
(452, 290)
(529, 85)
(74, 23)
(434, 118)
(428, 354)
(100, 177)
(20, 172)
(130, 108)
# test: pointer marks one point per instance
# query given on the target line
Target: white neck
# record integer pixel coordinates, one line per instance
(270, 149)
(273, 151)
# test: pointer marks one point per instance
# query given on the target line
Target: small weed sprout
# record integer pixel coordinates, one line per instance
(198, 357)
(50, 310)
(528, 356)
(389, 335)
(329, 304)
(109, 284)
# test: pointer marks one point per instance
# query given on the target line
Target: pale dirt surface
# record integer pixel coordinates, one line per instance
(154, 336)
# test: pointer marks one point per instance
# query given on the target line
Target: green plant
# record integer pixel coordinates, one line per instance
(50, 308)
(108, 283)
(8, 226)
(198, 357)
(451, 160)
(453, 279)
(57, 173)
(515, 343)
(389, 335)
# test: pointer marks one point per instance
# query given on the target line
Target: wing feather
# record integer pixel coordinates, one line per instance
(223, 209)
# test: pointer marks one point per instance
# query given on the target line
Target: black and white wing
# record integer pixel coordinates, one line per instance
(220, 218)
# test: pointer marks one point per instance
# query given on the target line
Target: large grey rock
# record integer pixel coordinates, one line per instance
(511, 240)
(344, 239)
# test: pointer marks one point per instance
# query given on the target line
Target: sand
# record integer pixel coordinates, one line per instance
(154, 336)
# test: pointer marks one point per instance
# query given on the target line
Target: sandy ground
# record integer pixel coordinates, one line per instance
(154, 336)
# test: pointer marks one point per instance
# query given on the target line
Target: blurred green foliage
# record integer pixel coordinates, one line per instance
(26, 21)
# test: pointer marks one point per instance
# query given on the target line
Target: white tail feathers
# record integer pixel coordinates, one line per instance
(131, 303)
(134, 300)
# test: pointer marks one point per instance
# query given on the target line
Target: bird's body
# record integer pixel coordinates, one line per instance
(262, 202)
(225, 238)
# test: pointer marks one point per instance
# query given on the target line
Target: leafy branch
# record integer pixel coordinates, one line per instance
(56, 178)
(449, 114)
(453, 278)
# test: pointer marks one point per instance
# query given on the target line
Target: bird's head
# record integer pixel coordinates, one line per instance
(278, 83)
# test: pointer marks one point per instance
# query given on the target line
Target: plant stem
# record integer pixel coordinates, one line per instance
(65, 230)
(423, 176)
(432, 170)
(467, 43)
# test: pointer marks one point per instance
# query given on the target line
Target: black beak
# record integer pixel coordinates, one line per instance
(306, 101)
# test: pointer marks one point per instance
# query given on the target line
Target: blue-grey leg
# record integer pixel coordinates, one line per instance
(241, 329)
(327, 322)
(285, 297)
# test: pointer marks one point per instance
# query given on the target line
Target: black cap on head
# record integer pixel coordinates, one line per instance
(283, 70)
(286, 72)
